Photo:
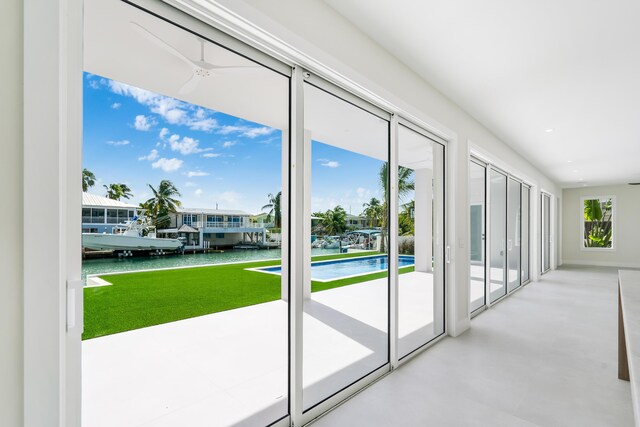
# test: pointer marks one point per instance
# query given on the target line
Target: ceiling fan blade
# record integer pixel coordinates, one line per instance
(190, 85)
(209, 66)
(161, 43)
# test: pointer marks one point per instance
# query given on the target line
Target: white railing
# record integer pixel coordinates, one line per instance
(230, 224)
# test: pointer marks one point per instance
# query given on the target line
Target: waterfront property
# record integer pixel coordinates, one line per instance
(102, 215)
(215, 228)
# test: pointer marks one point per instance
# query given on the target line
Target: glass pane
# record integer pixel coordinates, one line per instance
(112, 216)
(498, 218)
(345, 323)
(192, 128)
(525, 234)
(513, 235)
(420, 227)
(546, 232)
(97, 216)
(597, 223)
(477, 189)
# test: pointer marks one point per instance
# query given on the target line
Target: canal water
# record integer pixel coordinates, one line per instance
(118, 265)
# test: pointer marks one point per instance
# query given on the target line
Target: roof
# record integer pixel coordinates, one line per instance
(211, 211)
(187, 229)
(93, 200)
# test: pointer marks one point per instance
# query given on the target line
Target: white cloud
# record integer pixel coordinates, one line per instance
(247, 131)
(163, 133)
(189, 184)
(228, 144)
(185, 146)
(330, 164)
(167, 165)
(198, 192)
(119, 143)
(116, 105)
(191, 174)
(211, 155)
(143, 122)
(94, 84)
(171, 110)
(254, 132)
(151, 156)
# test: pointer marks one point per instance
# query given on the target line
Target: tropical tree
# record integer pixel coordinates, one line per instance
(88, 179)
(162, 203)
(274, 208)
(406, 185)
(597, 227)
(118, 191)
(406, 222)
(373, 211)
(334, 220)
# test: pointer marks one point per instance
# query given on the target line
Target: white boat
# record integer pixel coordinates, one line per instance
(133, 238)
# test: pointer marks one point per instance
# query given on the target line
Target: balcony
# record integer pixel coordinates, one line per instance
(231, 225)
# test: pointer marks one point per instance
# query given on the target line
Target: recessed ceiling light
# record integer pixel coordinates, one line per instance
(575, 171)
(549, 130)
(569, 161)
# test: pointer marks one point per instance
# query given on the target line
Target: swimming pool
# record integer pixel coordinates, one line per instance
(325, 271)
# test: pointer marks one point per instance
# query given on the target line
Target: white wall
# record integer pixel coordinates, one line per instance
(627, 223)
(11, 331)
(313, 28)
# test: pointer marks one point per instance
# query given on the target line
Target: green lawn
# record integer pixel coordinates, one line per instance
(137, 300)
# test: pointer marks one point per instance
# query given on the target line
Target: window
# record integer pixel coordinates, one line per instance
(189, 219)
(86, 215)
(97, 216)
(112, 216)
(598, 223)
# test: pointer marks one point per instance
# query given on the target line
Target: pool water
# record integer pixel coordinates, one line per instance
(120, 265)
(324, 271)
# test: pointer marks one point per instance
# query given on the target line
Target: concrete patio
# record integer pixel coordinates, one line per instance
(230, 368)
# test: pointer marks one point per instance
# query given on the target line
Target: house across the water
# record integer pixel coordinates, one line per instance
(102, 215)
(215, 228)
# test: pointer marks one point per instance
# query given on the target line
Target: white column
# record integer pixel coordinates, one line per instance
(423, 220)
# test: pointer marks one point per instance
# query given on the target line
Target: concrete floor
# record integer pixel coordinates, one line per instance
(545, 356)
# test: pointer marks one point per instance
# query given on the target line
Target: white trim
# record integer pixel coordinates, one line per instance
(392, 249)
(614, 216)
(53, 114)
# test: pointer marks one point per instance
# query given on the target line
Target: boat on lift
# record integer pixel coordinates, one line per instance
(138, 235)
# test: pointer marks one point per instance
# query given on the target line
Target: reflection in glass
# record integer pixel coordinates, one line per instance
(420, 222)
(477, 235)
(345, 321)
(525, 234)
(513, 235)
(497, 260)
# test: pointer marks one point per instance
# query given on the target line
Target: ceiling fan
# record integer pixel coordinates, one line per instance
(201, 69)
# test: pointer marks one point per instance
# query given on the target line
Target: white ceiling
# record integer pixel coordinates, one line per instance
(522, 67)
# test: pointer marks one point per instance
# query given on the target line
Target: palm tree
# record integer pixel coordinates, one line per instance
(118, 191)
(88, 179)
(405, 186)
(334, 220)
(373, 211)
(162, 203)
(274, 208)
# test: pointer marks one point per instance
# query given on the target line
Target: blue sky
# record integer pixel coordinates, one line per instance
(136, 137)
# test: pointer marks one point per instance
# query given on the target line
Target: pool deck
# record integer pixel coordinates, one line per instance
(231, 367)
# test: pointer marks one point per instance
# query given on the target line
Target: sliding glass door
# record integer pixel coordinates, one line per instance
(524, 267)
(346, 300)
(420, 240)
(513, 234)
(545, 230)
(477, 209)
(498, 240)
